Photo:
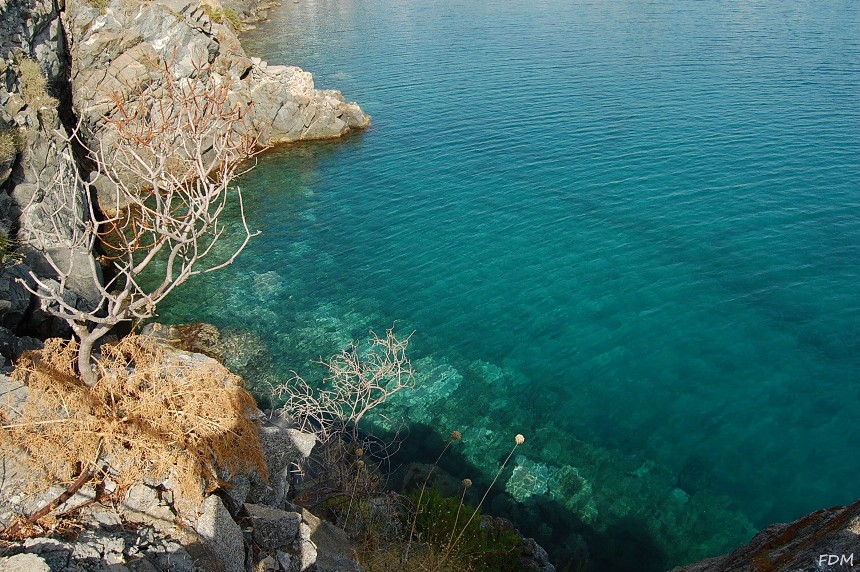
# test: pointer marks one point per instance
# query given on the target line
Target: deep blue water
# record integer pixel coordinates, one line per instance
(628, 230)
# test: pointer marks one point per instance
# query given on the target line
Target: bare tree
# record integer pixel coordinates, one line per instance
(358, 381)
(164, 162)
(346, 465)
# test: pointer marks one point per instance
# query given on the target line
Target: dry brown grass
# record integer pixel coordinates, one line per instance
(153, 415)
(34, 84)
(10, 144)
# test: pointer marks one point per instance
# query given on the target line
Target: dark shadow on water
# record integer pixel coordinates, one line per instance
(625, 546)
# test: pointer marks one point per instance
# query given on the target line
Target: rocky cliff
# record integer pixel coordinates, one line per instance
(62, 66)
(34, 65)
(248, 524)
(119, 49)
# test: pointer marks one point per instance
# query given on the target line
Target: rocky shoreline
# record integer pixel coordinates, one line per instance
(84, 53)
(247, 525)
(63, 66)
(66, 67)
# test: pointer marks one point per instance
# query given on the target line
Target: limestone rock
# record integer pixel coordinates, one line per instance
(534, 558)
(303, 442)
(115, 548)
(116, 51)
(14, 297)
(283, 447)
(333, 549)
(222, 534)
(306, 549)
(236, 492)
(32, 28)
(273, 528)
(144, 504)
(35, 201)
(24, 563)
(55, 553)
(284, 560)
(12, 346)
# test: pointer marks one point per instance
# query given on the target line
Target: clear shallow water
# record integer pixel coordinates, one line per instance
(630, 231)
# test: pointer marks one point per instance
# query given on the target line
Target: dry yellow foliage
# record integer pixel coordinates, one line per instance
(154, 414)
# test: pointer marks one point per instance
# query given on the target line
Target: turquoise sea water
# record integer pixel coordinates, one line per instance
(627, 230)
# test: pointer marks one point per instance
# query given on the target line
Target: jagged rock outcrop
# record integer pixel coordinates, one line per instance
(62, 62)
(119, 50)
(827, 539)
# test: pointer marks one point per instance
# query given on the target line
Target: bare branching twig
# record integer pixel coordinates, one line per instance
(357, 382)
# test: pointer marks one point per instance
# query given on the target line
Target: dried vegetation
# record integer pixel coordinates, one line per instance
(154, 415)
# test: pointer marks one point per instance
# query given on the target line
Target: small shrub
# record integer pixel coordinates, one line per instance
(228, 15)
(444, 522)
(233, 18)
(34, 84)
(7, 254)
(10, 144)
(101, 5)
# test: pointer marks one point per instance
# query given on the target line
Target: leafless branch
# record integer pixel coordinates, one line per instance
(164, 167)
(357, 382)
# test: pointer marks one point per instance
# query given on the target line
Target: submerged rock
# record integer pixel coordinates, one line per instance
(528, 478)
(575, 492)
(435, 380)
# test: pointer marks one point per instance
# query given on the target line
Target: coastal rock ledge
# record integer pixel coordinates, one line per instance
(68, 65)
(827, 539)
(117, 48)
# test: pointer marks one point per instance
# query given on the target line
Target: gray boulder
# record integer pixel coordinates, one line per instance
(333, 549)
(534, 557)
(221, 533)
(55, 553)
(12, 346)
(283, 449)
(15, 299)
(144, 504)
(24, 563)
(273, 528)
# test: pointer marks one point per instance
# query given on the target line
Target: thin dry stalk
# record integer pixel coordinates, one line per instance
(466, 484)
(518, 440)
(455, 436)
